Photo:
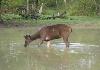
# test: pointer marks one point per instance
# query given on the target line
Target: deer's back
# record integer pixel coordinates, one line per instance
(53, 32)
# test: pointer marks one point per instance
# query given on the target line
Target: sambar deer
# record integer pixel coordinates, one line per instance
(49, 33)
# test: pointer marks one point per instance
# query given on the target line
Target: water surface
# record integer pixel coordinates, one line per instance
(83, 54)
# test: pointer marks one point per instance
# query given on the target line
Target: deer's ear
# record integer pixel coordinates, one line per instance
(29, 35)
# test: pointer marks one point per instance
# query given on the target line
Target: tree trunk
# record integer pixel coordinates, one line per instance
(27, 6)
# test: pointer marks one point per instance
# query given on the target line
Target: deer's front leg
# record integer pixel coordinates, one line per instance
(41, 42)
(48, 44)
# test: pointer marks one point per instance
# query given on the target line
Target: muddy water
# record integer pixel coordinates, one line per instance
(83, 54)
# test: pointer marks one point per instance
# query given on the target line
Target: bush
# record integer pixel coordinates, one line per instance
(83, 7)
(10, 16)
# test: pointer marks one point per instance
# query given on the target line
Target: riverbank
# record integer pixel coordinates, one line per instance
(74, 26)
(73, 21)
(86, 26)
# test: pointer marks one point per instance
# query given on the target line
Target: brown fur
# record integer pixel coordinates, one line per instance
(49, 33)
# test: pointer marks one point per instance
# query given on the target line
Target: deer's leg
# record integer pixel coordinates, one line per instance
(48, 44)
(40, 43)
(66, 42)
(65, 36)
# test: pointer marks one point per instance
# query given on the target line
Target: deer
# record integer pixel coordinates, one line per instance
(48, 33)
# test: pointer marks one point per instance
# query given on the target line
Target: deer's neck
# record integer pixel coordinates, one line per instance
(35, 36)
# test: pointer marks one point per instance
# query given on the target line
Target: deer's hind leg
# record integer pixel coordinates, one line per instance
(65, 39)
(66, 42)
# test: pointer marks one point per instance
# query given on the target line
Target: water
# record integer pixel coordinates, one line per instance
(83, 54)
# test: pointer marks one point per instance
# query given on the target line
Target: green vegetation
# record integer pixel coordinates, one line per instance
(72, 7)
(11, 19)
(29, 11)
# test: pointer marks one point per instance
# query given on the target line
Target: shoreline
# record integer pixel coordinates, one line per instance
(86, 26)
(74, 26)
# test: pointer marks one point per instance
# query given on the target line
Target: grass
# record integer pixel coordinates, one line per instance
(18, 20)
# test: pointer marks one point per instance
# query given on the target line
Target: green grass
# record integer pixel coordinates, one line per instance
(16, 19)
(10, 16)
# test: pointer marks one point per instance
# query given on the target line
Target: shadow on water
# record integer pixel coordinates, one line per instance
(83, 53)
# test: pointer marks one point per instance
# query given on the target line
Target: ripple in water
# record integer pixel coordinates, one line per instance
(74, 47)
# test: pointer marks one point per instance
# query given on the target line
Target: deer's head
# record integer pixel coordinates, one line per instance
(27, 40)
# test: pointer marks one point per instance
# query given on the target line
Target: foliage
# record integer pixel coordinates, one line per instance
(83, 7)
(10, 16)
(73, 7)
(11, 3)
